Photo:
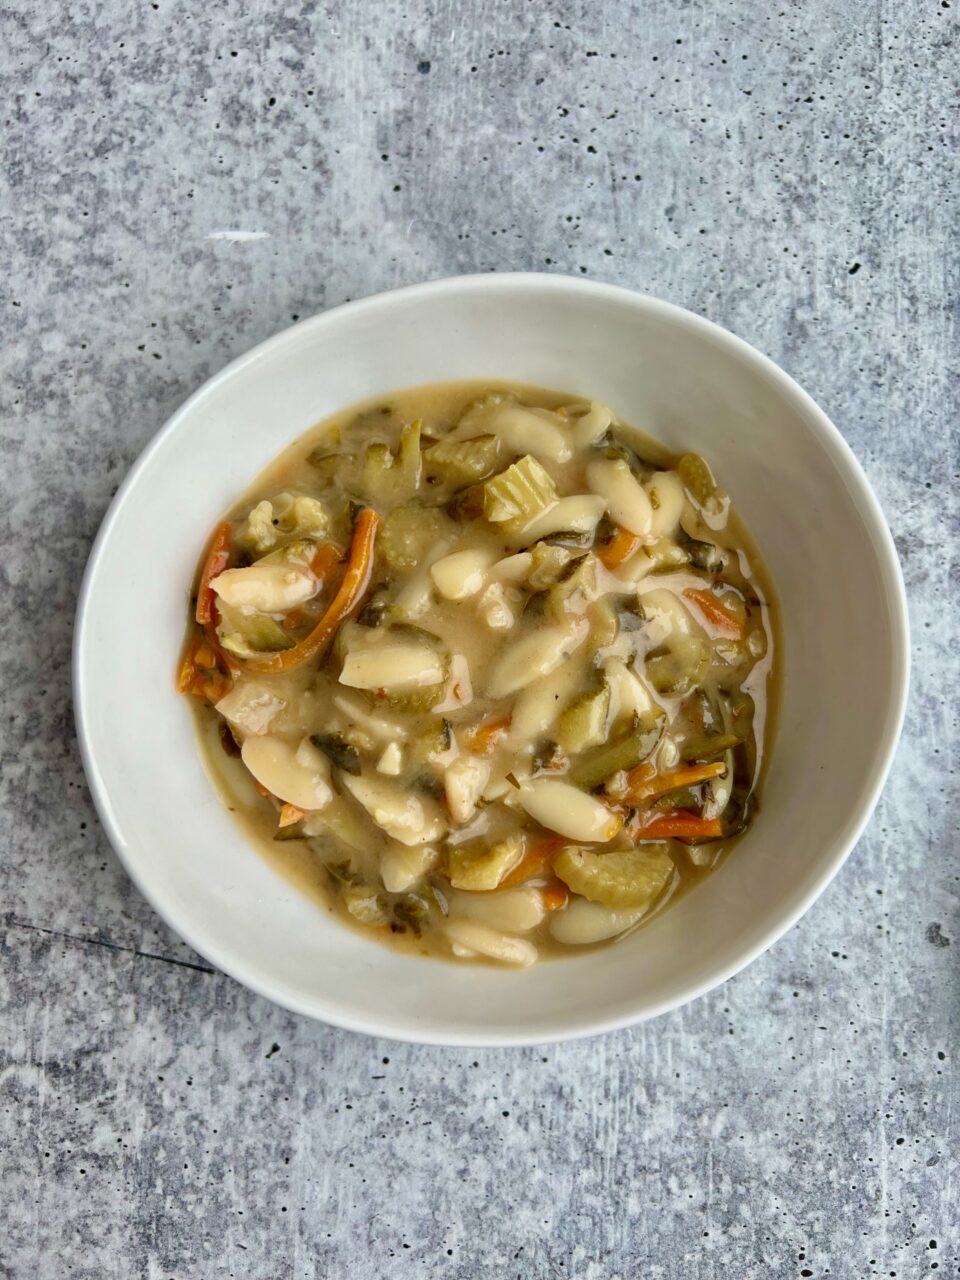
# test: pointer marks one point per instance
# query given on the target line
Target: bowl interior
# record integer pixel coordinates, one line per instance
(686, 382)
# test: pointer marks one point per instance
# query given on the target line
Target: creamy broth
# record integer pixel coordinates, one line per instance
(501, 668)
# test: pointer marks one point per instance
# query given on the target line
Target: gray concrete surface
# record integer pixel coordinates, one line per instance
(788, 170)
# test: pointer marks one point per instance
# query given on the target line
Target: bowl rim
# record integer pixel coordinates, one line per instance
(861, 492)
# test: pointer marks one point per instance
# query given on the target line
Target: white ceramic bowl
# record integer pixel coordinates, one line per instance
(688, 382)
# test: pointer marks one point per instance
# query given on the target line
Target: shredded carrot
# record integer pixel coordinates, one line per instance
(638, 777)
(483, 737)
(295, 618)
(268, 795)
(198, 674)
(680, 825)
(344, 604)
(215, 563)
(687, 777)
(324, 558)
(722, 618)
(289, 814)
(555, 895)
(537, 861)
(620, 548)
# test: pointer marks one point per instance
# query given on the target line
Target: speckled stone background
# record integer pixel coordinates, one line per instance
(789, 170)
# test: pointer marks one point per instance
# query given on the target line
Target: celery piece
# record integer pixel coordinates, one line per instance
(674, 673)
(607, 760)
(410, 532)
(584, 723)
(621, 879)
(408, 457)
(697, 477)
(711, 747)
(249, 635)
(518, 494)
(460, 462)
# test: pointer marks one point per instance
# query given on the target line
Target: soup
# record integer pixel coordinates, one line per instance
(485, 670)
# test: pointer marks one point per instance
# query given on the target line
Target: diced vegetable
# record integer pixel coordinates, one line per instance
(697, 477)
(479, 867)
(391, 760)
(248, 634)
(681, 668)
(620, 548)
(516, 495)
(584, 723)
(570, 812)
(289, 815)
(464, 781)
(251, 706)
(411, 532)
(594, 769)
(623, 879)
(537, 861)
(338, 751)
(461, 462)
(627, 502)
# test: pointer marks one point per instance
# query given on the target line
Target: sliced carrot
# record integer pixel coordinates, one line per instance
(537, 861)
(483, 737)
(687, 777)
(555, 896)
(620, 548)
(217, 557)
(680, 825)
(722, 618)
(344, 604)
(205, 656)
(289, 814)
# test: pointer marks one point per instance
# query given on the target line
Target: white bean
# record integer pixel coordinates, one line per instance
(512, 568)
(666, 615)
(666, 500)
(391, 666)
(588, 429)
(539, 704)
(579, 514)
(409, 818)
(630, 695)
(488, 942)
(582, 922)
(296, 776)
(461, 575)
(513, 910)
(627, 501)
(535, 654)
(402, 867)
(564, 808)
(535, 431)
(266, 588)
